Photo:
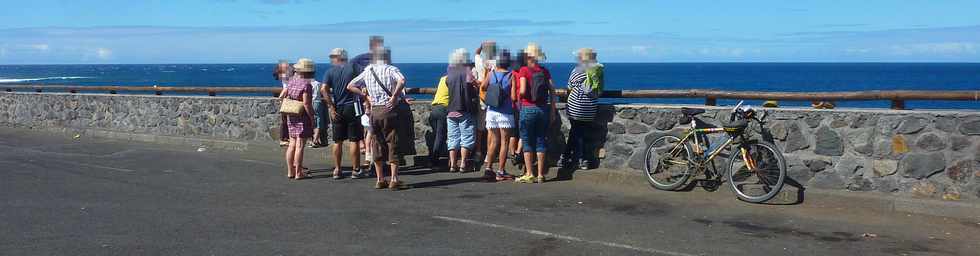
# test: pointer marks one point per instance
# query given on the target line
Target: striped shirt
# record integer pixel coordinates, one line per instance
(379, 92)
(583, 104)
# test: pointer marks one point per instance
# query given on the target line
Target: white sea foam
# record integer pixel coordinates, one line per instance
(21, 80)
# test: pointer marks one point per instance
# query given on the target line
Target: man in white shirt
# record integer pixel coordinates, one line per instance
(383, 85)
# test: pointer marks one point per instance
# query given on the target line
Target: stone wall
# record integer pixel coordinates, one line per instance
(927, 154)
(237, 119)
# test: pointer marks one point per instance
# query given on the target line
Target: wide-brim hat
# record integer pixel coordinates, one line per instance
(304, 65)
(534, 50)
(338, 53)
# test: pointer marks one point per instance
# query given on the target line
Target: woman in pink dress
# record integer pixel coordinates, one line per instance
(300, 126)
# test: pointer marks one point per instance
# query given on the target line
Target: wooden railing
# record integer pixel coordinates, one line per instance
(897, 97)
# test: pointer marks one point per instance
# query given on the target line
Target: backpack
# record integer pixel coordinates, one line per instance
(539, 88)
(495, 91)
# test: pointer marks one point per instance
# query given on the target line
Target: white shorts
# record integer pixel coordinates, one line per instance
(496, 120)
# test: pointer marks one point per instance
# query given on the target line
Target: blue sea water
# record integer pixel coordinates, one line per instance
(796, 77)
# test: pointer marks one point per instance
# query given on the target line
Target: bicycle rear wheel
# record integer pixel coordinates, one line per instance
(667, 163)
(761, 183)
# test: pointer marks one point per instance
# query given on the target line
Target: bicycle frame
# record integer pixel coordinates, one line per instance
(694, 131)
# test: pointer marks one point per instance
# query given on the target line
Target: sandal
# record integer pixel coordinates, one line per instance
(380, 184)
(395, 185)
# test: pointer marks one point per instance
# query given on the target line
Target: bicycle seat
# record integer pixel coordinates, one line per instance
(692, 111)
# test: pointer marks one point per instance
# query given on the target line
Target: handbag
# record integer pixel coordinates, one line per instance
(291, 107)
(358, 107)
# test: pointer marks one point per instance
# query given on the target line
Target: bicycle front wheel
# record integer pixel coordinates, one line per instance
(667, 162)
(762, 182)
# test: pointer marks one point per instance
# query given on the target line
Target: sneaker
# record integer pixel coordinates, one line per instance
(540, 179)
(584, 165)
(502, 176)
(357, 174)
(488, 174)
(563, 162)
(525, 179)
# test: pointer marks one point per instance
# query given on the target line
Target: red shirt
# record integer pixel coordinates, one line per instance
(527, 73)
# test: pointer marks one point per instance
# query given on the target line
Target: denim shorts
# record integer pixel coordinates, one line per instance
(460, 132)
(533, 129)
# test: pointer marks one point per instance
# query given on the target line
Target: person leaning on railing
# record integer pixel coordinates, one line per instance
(584, 88)
(437, 122)
(282, 73)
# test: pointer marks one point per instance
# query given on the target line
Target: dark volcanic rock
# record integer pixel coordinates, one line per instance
(921, 165)
(970, 126)
(795, 140)
(910, 125)
(930, 142)
(828, 142)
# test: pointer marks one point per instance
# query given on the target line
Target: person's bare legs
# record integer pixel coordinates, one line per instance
(355, 155)
(452, 159)
(298, 157)
(290, 171)
(338, 153)
(394, 172)
(464, 154)
(502, 156)
(541, 165)
(528, 160)
(492, 142)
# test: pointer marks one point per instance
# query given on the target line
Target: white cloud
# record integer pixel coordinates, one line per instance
(640, 50)
(40, 47)
(947, 48)
(103, 53)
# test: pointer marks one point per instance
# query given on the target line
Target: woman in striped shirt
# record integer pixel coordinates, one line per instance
(583, 104)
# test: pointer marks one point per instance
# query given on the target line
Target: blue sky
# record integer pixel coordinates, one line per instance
(257, 31)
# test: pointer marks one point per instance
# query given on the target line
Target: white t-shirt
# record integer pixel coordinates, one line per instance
(316, 90)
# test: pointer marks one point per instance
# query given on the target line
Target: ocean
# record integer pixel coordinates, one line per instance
(793, 77)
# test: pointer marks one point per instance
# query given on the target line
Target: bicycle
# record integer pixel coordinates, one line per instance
(756, 170)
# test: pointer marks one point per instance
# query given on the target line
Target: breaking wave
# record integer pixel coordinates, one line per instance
(21, 80)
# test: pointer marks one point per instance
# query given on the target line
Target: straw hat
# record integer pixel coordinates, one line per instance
(586, 54)
(534, 50)
(304, 65)
(459, 57)
(338, 53)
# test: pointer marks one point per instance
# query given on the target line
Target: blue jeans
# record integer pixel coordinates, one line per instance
(533, 129)
(460, 132)
(321, 120)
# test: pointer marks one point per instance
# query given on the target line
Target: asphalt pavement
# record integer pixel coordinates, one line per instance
(61, 195)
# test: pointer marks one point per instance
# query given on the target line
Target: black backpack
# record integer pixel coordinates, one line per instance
(538, 88)
(496, 96)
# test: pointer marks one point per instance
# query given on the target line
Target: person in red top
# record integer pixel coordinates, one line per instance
(536, 90)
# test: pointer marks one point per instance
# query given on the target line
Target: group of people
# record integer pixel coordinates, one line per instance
(490, 106)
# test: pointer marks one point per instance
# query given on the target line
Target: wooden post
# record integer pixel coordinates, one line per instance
(710, 101)
(898, 104)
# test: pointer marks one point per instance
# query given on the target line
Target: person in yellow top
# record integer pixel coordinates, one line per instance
(436, 140)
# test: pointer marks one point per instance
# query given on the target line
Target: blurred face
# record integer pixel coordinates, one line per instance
(336, 60)
(283, 68)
